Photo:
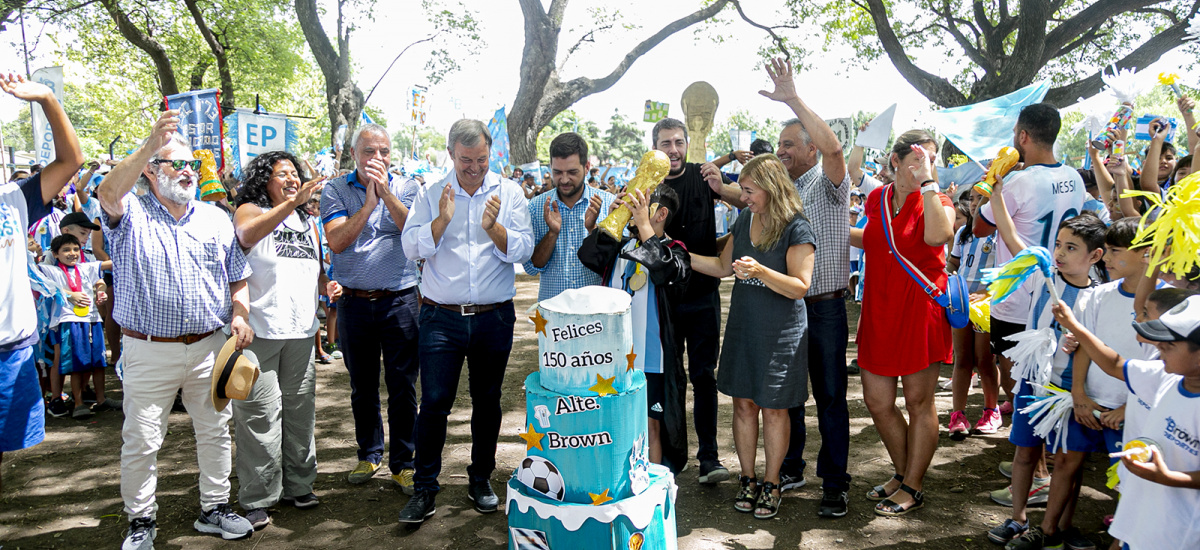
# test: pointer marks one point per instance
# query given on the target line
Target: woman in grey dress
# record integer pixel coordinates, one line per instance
(764, 357)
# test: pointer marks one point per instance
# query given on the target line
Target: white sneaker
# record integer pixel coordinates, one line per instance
(223, 521)
(140, 535)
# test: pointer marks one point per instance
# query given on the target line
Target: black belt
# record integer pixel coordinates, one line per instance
(466, 309)
(186, 339)
(840, 293)
(377, 294)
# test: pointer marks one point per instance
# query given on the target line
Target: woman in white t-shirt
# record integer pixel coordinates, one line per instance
(276, 456)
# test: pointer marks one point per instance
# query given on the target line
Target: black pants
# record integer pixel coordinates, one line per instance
(698, 329)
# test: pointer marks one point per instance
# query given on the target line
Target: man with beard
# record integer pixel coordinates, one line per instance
(825, 192)
(697, 314)
(470, 228)
(561, 220)
(181, 278)
(364, 213)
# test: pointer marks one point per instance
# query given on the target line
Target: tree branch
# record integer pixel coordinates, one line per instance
(143, 41)
(218, 51)
(390, 65)
(1088, 36)
(557, 7)
(937, 89)
(770, 30)
(314, 34)
(1143, 56)
(951, 26)
(589, 37)
(1094, 15)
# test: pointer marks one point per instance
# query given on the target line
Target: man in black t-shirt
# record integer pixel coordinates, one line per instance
(697, 315)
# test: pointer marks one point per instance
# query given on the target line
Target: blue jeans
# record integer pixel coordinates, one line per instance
(368, 329)
(447, 338)
(698, 325)
(828, 331)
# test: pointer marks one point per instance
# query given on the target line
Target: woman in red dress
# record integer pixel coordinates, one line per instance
(903, 334)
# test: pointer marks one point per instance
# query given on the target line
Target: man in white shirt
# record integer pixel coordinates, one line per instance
(469, 229)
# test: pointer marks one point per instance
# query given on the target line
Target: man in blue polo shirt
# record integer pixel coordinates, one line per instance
(364, 212)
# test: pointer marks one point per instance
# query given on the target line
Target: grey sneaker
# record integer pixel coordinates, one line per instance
(82, 412)
(109, 404)
(223, 521)
(787, 482)
(258, 518)
(140, 535)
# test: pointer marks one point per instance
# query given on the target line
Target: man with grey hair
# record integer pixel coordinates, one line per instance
(364, 213)
(470, 228)
(825, 192)
(180, 277)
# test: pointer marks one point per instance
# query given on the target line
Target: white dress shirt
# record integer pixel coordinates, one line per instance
(465, 267)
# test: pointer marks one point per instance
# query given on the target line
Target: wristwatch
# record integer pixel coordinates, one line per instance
(732, 157)
(930, 186)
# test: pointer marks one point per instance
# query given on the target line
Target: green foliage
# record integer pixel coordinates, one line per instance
(429, 141)
(620, 143)
(457, 35)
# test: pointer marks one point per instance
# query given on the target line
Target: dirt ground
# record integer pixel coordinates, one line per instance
(65, 492)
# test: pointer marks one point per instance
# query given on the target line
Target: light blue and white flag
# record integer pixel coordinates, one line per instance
(980, 130)
(498, 127)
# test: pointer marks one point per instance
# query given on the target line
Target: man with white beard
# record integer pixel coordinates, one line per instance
(180, 277)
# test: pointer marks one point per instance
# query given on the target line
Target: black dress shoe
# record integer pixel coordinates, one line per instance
(480, 492)
(419, 508)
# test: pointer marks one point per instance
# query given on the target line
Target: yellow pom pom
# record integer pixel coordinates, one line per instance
(1167, 79)
(1171, 227)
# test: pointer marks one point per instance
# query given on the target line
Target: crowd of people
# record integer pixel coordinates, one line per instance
(422, 278)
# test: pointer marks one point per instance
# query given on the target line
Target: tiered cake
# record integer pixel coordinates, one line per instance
(587, 481)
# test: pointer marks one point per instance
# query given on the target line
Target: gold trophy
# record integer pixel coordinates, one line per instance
(210, 185)
(650, 172)
(699, 104)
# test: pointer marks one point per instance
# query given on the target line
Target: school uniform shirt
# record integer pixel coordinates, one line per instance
(20, 202)
(977, 254)
(1107, 311)
(89, 274)
(1042, 316)
(1096, 206)
(1038, 198)
(1151, 516)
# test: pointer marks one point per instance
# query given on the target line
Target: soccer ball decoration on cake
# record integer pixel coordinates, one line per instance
(539, 474)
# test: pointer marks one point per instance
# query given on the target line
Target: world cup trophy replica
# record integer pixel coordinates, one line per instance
(699, 104)
(650, 172)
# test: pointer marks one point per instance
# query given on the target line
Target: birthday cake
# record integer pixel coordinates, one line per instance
(586, 481)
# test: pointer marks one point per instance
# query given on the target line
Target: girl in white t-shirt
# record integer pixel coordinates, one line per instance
(76, 331)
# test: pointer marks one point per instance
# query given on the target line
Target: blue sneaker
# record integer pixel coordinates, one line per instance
(1006, 531)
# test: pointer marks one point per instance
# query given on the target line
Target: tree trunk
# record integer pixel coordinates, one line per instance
(345, 99)
(218, 51)
(144, 42)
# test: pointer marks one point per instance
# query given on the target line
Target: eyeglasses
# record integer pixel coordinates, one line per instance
(179, 164)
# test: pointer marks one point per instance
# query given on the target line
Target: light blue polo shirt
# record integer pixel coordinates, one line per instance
(375, 260)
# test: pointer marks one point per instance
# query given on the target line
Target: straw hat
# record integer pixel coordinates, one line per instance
(233, 374)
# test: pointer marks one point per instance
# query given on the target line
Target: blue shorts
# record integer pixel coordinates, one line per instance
(81, 346)
(22, 412)
(1021, 433)
(1082, 439)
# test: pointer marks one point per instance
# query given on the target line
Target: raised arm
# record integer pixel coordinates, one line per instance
(821, 134)
(120, 180)
(67, 154)
(253, 224)
(1004, 224)
(1158, 136)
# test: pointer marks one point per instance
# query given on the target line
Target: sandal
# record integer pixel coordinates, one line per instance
(889, 508)
(768, 500)
(877, 493)
(324, 359)
(747, 495)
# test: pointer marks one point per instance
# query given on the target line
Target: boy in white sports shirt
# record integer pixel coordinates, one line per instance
(653, 269)
(1160, 501)
(1078, 246)
(1039, 198)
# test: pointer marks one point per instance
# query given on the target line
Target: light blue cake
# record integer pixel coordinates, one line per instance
(596, 443)
(642, 522)
(585, 336)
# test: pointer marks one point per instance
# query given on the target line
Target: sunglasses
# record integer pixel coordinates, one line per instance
(179, 164)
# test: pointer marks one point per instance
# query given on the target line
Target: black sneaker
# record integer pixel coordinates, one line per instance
(853, 368)
(302, 502)
(787, 482)
(140, 535)
(58, 408)
(419, 508)
(712, 472)
(89, 395)
(1034, 539)
(480, 492)
(833, 504)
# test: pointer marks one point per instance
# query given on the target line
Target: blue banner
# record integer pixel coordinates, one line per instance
(200, 120)
(498, 127)
(981, 129)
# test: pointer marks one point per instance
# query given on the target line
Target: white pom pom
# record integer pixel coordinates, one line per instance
(1032, 355)
(1193, 31)
(1125, 84)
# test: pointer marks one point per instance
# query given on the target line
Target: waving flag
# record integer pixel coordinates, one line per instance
(498, 127)
(981, 129)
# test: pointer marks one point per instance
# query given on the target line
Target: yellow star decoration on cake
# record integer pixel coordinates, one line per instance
(539, 322)
(604, 386)
(533, 439)
(630, 357)
(600, 498)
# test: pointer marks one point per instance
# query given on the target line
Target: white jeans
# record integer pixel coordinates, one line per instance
(154, 372)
